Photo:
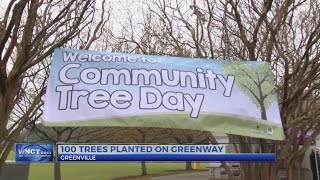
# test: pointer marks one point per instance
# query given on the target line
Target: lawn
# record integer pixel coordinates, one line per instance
(12, 156)
(98, 171)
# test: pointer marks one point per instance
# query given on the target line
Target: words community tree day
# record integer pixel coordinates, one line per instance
(135, 77)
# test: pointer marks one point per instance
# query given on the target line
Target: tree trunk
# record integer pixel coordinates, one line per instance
(57, 167)
(2, 163)
(143, 168)
(250, 171)
(263, 113)
(273, 171)
(268, 171)
(256, 171)
(188, 166)
(5, 150)
(294, 170)
(57, 171)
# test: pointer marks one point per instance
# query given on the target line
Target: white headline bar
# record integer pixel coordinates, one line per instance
(140, 149)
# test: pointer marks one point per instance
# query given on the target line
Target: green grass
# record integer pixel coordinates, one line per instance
(100, 171)
(12, 156)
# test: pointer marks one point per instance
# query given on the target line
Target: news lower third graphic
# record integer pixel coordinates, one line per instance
(135, 153)
(34, 152)
(205, 153)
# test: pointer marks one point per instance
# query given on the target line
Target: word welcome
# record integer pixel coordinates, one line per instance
(72, 57)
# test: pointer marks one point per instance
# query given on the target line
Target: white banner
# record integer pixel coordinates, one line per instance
(88, 88)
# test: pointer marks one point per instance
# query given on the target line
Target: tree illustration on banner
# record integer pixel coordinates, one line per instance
(256, 81)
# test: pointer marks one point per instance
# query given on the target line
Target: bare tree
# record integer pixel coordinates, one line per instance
(29, 32)
(283, 33)
(292, 47)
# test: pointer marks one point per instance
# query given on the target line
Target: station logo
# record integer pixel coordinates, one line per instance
(34, 152)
